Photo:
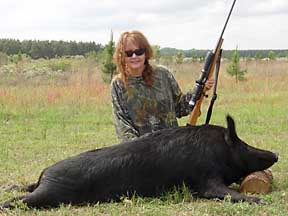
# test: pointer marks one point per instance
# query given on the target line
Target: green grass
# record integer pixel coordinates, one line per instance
(37, 131)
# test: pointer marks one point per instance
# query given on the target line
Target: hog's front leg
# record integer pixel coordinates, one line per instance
(221, 191)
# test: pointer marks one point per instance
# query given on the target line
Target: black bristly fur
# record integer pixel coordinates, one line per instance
(206, 158)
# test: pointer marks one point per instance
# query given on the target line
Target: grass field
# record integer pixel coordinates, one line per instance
(45, 120)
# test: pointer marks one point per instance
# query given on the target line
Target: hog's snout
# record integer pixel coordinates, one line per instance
(276, 156)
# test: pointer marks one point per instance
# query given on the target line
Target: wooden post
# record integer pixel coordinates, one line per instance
(257, 183)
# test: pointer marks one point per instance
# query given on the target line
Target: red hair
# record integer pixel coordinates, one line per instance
(119, 55)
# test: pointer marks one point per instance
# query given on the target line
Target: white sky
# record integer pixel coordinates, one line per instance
(182, 24)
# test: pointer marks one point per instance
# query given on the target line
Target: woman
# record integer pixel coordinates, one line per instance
(144, 98)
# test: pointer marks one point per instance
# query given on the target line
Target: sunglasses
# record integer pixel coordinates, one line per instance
(138, 52)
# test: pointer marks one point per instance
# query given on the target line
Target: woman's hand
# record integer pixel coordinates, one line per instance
(210, 83)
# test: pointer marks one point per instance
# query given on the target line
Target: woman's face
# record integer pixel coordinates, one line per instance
(134, 58)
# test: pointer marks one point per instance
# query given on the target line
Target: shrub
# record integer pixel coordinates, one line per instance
(61, 64)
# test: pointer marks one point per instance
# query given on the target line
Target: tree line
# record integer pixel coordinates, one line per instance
(51, 49)
(200, 54)
(47, 49)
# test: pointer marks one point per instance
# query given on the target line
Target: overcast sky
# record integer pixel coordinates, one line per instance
(182, 24)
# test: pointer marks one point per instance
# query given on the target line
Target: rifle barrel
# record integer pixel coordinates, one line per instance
(231, 9)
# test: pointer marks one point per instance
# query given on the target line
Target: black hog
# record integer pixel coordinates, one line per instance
(206, 158)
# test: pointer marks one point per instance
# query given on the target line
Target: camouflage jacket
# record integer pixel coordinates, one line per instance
(139, 109)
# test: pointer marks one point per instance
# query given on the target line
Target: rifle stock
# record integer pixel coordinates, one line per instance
(196, 112)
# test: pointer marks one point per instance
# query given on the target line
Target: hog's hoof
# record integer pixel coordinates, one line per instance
(256, 200)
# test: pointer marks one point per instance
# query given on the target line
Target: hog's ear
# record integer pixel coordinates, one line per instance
(230, 135)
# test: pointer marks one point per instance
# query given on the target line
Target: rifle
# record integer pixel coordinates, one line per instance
(212, 58)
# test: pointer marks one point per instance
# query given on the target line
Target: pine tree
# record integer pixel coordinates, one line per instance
(108, 67)
(179, 58)
(234, 67)
(271, 55)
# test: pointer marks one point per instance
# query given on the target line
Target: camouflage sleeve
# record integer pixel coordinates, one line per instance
(182, 107)
(122, 121)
